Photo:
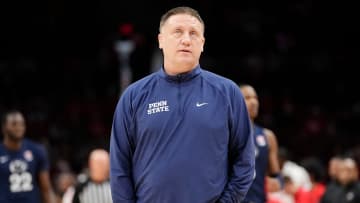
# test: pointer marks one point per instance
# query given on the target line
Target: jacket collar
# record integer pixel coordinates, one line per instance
(182, 77)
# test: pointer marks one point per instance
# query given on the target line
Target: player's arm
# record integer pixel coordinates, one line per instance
(274, 180)
(241, 152)
(121, 182)
(46, 190)
(47, 193)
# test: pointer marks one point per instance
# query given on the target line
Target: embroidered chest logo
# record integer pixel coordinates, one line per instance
(158, 107)
(260, 140)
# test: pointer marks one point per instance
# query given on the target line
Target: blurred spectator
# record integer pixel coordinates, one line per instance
(95, 187)
(63, 182)
(346, 188)
(296, 180)
(284, 196)
(298, 175)
(317, 172)
(333, 167)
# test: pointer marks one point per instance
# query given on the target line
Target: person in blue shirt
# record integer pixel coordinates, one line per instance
(181, 134)
(267, 164)
(24, 171)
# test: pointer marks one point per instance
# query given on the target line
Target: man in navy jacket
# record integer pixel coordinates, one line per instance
(182, 134)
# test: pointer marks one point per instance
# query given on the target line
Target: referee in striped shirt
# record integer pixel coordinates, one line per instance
(96, 189)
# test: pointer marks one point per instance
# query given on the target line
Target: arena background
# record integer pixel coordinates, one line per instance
(58, 65)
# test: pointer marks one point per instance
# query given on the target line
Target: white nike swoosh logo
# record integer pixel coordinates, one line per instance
(200, 104)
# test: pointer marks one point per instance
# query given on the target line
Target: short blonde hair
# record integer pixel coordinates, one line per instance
(180, 10)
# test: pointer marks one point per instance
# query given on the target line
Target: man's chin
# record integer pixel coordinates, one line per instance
(16, 138)
(253, 116)
(187, 61)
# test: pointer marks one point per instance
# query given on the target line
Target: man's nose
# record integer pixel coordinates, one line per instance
(186, 39)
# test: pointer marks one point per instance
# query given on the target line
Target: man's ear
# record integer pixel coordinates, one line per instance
(160, 38)
(203, 43)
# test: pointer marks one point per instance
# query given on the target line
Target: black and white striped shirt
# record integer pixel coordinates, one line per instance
(91, 192)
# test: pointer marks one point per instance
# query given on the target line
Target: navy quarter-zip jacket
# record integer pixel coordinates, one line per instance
(181, 139)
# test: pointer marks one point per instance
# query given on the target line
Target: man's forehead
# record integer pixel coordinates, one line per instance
(15, 117)
(349, 163)
(183, 19)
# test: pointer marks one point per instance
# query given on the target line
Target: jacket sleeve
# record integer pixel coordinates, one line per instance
(241, 151)
(122, 188)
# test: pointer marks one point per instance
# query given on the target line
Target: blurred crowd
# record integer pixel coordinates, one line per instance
(309, 181)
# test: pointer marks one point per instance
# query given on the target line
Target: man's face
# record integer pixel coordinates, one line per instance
(334, 167)
(345, 172)
(99, 165)
(182, 40)
(14, 127)
(251, 100)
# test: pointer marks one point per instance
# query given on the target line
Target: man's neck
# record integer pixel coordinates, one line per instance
(177, 69)
(12, 144)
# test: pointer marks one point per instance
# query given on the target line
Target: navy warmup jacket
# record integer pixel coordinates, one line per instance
(181, 139)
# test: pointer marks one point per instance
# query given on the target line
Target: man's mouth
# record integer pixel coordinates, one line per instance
(185, 50)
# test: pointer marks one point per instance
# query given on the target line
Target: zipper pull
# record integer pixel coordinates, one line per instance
(179, 77)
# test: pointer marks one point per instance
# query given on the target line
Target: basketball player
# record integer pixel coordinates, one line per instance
(23, 165)
(266, 161)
